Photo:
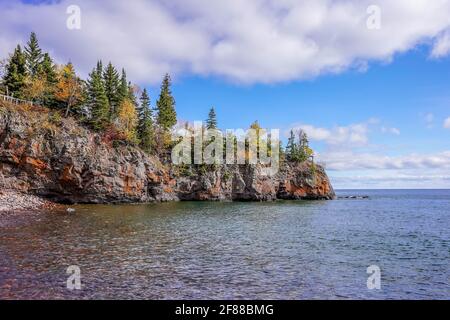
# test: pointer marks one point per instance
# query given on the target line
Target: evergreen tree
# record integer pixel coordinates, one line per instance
(304, 149)
(33, 55)
(99, 69)
(167, 116)
(132, 96)
(303, 139)
(97, 99)
(291, 146)
(111, 83)
(258, 131)
(145, 126)
(144, 103)
(16, 73)
(211, 122)
(123, 92)
(47, 70)
(298, 152)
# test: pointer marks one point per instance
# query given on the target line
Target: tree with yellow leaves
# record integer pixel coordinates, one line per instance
(35, 89)
(69, 89)
(127, 120)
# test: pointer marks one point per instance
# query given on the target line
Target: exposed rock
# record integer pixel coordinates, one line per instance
(61, 160)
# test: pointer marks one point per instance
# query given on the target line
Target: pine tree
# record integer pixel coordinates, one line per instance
(167, 116)
(123, 92)
(144, 103)
(298, 152)
(99, 69)
(111, 82)
(16, 73)
(34, 55)
(47, 70)
(97, 99)
(146, 132)
(291, 146)
(304, 149)
(211, 122)
(131, 95)
(303, 139)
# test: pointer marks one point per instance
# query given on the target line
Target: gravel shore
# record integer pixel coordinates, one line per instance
(13, 201)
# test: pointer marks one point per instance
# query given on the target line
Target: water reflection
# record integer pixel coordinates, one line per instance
(193, 250)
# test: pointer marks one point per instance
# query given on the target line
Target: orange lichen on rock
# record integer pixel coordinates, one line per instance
(36, 164)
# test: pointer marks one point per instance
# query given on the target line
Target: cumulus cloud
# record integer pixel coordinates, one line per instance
(394, 131)
(399, 180)
(348, 149)
(429, 119)
(447, 123)
(348, 160)
(352, 135)
(259, 41)
(441, 47)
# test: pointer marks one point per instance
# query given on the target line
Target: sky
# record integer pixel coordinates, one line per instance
(369, 81)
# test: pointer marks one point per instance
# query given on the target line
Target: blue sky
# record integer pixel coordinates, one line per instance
(374, 102)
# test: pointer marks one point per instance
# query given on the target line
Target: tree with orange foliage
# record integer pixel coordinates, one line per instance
(69, 89)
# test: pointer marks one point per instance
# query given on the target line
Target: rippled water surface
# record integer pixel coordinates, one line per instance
(193, 250)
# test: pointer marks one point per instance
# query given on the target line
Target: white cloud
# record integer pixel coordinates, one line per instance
(349, 160)
(441, 47)
(353, 161)
(429, 117)
(260, 41)
(352, 135)
(447, 123)
(396, 180)
(394, 131)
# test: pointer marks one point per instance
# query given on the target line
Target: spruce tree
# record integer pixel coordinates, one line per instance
(167, 116)
(34, 55)
(211, 122)
(123, 87)
(291, 146)
(131, 95)
(111, 83)
(97, 99)
(47, 70)
(16, 73)
(99, 69)
(304, 150)
(145, 125)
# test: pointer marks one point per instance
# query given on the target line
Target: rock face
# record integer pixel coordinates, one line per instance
(61, 160)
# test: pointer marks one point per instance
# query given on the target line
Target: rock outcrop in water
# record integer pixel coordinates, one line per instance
(63, 161)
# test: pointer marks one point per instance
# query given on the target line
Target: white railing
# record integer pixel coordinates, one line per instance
(15, 100)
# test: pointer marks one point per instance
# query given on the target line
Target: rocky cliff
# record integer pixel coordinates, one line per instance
(42, 154)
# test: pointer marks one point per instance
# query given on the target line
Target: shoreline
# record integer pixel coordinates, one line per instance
(12, 202)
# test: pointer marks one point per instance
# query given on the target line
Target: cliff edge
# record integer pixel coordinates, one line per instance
(45, 155)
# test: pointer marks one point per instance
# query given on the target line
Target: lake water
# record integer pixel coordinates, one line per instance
(202, 250)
